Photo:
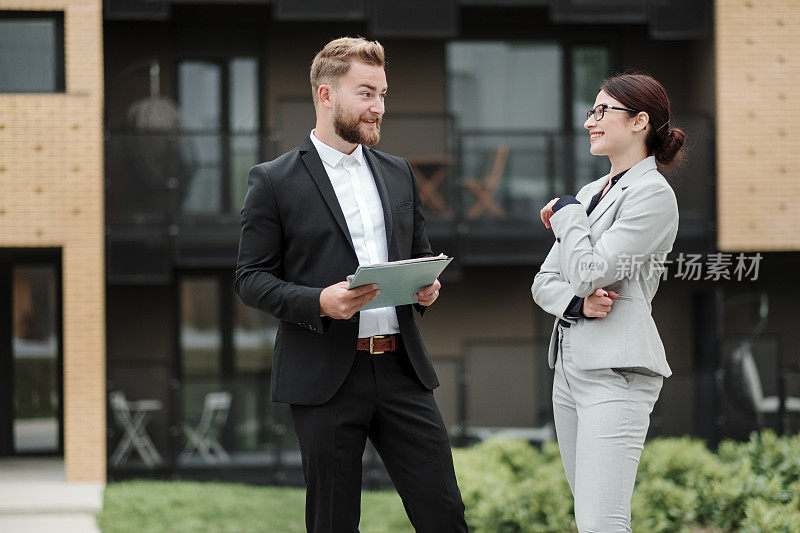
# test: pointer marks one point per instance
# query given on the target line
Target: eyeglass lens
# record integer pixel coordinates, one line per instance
(597, 111)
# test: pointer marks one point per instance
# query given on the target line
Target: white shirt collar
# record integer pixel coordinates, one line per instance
(333, 157)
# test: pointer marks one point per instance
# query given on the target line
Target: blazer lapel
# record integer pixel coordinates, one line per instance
(585, 196)
(380, 183)
(317, 170)
(606, 202)
(635, 172)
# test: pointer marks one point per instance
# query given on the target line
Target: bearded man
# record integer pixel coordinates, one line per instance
(310, 218)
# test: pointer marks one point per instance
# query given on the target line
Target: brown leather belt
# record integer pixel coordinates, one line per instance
(379, 344)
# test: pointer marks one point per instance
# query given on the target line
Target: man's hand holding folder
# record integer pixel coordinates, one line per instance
(385, 285)
(402, 282)
(338, 301)
(429, 294)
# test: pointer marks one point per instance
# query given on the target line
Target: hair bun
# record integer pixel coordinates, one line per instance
(671, 144)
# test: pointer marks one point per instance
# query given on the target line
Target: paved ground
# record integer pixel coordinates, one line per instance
(35, 497)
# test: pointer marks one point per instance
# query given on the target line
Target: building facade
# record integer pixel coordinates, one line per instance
(52, 374)
(486, 100)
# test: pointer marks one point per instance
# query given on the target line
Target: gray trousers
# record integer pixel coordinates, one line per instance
(601, 420)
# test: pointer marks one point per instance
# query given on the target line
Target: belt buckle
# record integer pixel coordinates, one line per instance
(372, 344)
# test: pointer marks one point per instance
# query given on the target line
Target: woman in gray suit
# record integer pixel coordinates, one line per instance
(599, 280)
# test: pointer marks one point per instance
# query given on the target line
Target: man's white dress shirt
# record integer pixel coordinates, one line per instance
(358, 197)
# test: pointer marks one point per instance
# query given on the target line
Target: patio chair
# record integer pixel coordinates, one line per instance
(484, 189)
(201, 439)
(132, 418)
(763, 405)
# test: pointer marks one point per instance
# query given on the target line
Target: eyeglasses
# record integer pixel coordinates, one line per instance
(599, 111)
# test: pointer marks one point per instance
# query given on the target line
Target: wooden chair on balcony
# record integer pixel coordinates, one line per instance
(435, 173)
(484, 189)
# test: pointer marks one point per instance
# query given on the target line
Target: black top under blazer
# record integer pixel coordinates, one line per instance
(295, 242)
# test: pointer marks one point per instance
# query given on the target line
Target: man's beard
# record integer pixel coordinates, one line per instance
(349, 128)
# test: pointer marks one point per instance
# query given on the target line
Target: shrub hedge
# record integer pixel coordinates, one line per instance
(512, 487)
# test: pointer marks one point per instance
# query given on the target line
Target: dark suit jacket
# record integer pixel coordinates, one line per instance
(295, 242)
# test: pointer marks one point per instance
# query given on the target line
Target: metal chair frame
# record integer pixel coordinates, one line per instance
(199, 438)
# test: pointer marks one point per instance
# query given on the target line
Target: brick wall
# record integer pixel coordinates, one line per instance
(51, 178)
(758, 144)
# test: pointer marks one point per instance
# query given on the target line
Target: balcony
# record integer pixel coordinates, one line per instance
(173, 199)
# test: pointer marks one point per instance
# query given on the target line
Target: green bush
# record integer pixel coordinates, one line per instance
(511, 487)
(674, 480)
(754, 486)
(760, 482)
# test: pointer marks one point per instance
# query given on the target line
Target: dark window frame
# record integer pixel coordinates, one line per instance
(9, 257)
(223, 61)
(567, 45)
(60, 56)
(228, 369)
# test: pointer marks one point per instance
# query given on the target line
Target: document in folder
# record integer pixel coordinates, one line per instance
(398, 281)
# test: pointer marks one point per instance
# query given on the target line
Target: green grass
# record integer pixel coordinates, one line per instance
(159, 506)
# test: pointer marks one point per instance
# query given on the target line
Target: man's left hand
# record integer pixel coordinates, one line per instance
(429, 294)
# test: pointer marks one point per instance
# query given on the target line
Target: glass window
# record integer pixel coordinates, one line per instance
(519, 126)
(590, 66)
(243, 100)
(227, 348)
(219, 105)
(35, 351)
(507, 102)
(31, 53)
(253, 344)
(254, 335)
(505, 86)
(201, 355)
(244, 115)
(200, 335)
(200, 102)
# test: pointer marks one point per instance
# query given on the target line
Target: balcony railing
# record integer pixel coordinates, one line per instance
(474, 184)
(249, 438)
(211, 427)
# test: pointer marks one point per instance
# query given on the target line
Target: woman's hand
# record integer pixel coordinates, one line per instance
(598, 305)
(547, 212)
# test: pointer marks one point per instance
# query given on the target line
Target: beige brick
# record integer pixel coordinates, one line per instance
(758, 163)
(51, 175)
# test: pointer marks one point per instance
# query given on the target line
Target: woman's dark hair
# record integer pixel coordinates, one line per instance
(644, 93)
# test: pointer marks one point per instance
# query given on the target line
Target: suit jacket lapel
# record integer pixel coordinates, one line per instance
(635, 172)
(317, 170)
(606, 202)
(585, 196)
(384, 194)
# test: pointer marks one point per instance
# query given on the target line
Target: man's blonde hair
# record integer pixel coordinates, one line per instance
(334, 60)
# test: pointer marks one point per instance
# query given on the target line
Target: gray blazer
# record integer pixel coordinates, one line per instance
(620, 246)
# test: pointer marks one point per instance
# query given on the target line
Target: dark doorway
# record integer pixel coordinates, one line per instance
(31, 370)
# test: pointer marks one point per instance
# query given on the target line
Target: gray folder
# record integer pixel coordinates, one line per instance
(398, 281)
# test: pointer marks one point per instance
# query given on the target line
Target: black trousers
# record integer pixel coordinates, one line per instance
(382, 400)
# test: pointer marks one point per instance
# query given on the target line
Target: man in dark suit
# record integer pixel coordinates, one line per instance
(309, 219)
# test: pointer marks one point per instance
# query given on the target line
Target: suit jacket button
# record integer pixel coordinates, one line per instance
(558, 239)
